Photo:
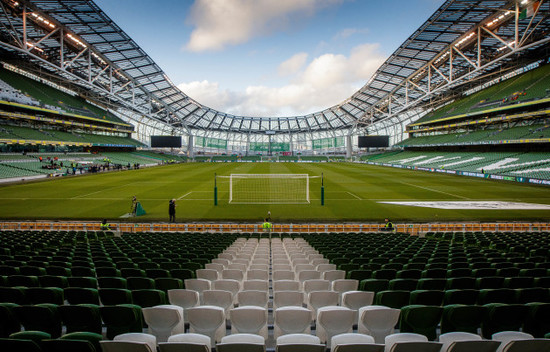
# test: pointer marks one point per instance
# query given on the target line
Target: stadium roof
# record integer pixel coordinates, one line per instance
(462, 40)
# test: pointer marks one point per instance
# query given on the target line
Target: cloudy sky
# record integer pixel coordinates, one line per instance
(269, 57)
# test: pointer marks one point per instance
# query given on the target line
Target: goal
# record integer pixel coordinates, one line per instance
(269, 188)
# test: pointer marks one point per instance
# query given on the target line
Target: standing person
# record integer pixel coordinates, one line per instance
(268, 216)
(105, 226)
(134, 206)
(266, 226)
(172, 210)
(388, 226)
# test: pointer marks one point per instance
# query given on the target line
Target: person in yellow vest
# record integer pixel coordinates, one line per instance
(105, 226)
(266, 226)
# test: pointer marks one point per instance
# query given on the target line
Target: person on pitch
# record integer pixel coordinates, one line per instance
(172, 210)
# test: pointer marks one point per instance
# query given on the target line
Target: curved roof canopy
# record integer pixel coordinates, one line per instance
(76, 42)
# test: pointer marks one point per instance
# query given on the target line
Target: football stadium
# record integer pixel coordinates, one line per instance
(412, 216)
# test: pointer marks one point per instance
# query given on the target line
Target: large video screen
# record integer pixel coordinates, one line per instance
(374, 141)
(166, 141)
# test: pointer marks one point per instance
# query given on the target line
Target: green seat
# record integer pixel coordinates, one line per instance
(39, 295)
(140, 283)
(409, 274)
(40, 317)
(16, 295)
(182, 274)
(82, 281)
(148, 297)
(53, 281)
(132, 272)
(36, 336)
(23, 280)
(168, 283)
(518, 282)
(121, 319)
(92, 338)
(7, 344)
(384, 274)
(68, 346)
(460, 283)
(107, 271)
(420, 319)
(8, 320)
(489, 282)
(81, 317)
(403, 284)
(426, 297)
(464, 318)
(460, 297)
(83, 271)
(359, 274)
(80, 295)
(499, 295)
(114, 296)
(537, 322)
(392, 299)
(157, 273)
(431, 284)
(112, 282)
(374, 285)
(31, 270)
(503, 317)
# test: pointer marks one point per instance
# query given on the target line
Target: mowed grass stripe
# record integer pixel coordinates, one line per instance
(353, 193)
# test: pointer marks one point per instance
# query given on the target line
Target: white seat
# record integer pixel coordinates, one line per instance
(253, 298)
(243, 260)
(138, 337)
(207, 320)
(319, 299)
(198, 285)
(531, 345)
(257, 275)
(219, 298)
(125, 346)
(308, 275)
(164, 321)
(318, 261)
(299, 260)
(354, 342)
(233, 274)
(303, 267)
(184, 298)
(207, 274)
(215, 266)
(186, 342)
(505, 337)
(256, 285)
(287, 298)
(237, 266)
(324, 267)
(316, 285)
(249, 320)
(344, 285)
(283, 275)
(281, 267)
(404, 337)
(450, 337)
(286, 285)
(333, 320)
(241, 343)
(299, 343)
(291, 320)
(377, 321)
(222, 261)
(228, 256)
(332, 275)
(230, 285)
(254, 266)
(357, 299)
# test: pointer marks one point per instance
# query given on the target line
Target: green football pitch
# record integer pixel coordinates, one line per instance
(353, 192)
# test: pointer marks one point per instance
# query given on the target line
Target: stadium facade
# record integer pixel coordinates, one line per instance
(463, 46)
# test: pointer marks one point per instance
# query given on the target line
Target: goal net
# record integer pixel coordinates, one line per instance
(269, 188)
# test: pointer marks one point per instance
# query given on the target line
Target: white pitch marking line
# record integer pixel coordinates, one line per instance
(351, 194)
(185, 195)
(435, 190)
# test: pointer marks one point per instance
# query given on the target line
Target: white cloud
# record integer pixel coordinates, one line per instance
(292, 65)
(219, 23)
(325, 81)
(348, 32)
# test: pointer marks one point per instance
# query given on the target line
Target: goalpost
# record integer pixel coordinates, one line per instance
(269, 188)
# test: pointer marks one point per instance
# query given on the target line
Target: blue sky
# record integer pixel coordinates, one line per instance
(269, 57)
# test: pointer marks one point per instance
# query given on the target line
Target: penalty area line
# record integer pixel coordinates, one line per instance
(351, 194)
(185, 195)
